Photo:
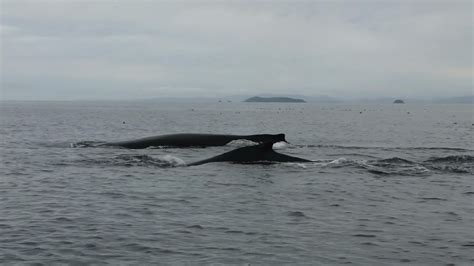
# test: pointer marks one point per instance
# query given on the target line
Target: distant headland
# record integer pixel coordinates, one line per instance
(274, 100)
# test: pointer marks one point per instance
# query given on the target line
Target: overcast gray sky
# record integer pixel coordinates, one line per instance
(60, 49)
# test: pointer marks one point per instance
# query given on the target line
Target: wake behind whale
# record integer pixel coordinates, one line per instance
(379, 166)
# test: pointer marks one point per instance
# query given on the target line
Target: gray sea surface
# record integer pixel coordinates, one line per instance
(391, 184)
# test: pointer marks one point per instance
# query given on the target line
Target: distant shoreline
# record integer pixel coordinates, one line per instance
(273, 100)
(307, 99)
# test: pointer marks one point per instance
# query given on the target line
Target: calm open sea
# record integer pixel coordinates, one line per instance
(390, 184)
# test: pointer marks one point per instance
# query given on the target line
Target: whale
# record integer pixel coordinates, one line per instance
(257, 154)
(194, 140)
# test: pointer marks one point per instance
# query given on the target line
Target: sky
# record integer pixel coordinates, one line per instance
(106, 49)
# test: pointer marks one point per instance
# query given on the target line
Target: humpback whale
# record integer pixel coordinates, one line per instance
(262, 153)
(191, 139)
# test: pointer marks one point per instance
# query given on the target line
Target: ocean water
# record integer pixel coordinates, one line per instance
(391, 184)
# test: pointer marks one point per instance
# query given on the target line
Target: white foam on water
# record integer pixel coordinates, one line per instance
(280, 145)
(295, 165)
(173, 160)
(301, 165)
(338, 161)
(238, 143)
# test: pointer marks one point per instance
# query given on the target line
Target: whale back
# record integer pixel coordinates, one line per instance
(194, 140)
(252, 154)
(261, 138)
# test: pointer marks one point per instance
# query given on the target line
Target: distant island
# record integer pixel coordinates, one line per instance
(398, 101)
(468, 99)
(274, 100)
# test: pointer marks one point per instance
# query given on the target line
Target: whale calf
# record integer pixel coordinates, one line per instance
(262, 153)
(192, 139)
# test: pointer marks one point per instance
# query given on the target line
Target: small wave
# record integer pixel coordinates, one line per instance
(240, 232)
(58, 144)
(161, 147)
(460, 164)
(433, 198)
(296, 165)
(442, 148)
(354, 155)
(395, 166)
(395, 160)
(129, 160)
(334, 146)
(378, 172)
(389, 166)
(296, 214)
(364, 235)
(86, 144)
(452, 159)
(355, 147)
(300, 165)
(341, 162)
(416, 170)
(459, 169)
(195, 226)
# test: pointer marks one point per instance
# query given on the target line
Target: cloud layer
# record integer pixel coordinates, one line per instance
(136, 49)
